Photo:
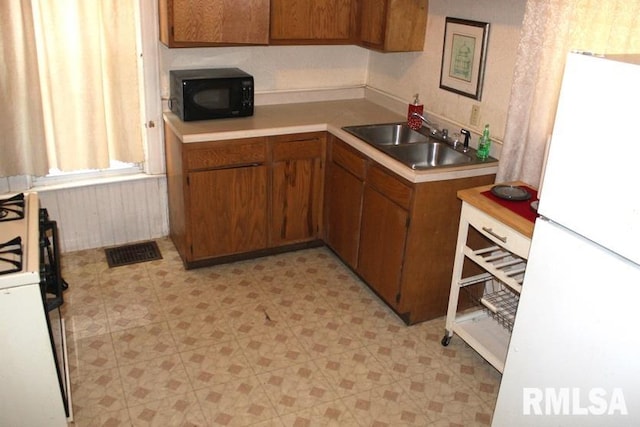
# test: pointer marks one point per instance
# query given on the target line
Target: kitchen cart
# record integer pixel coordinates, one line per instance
(494, 236)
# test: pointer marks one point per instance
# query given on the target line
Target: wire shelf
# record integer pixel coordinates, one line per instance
(499, 301)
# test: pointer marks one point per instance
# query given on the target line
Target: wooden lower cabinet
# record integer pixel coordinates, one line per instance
(297, 177)
(398, 236)
(344, 191)
(227, 210)
(383, 236)
(242, 198)
(218, 194)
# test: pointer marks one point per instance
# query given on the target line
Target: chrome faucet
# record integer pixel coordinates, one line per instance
(424, 120)
(442, 134)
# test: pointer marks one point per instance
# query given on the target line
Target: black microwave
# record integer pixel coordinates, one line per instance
(213, 93)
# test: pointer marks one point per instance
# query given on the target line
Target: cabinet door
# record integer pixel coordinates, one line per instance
(296, 182)
(227, 211)
(382, 243)
(186, 23)
(343, 201)
(393, 25)
(318, 21)
(373, 23)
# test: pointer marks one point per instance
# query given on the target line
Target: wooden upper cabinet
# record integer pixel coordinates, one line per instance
(313, 22)
(393, 25)
(384, 25)
(190, 23)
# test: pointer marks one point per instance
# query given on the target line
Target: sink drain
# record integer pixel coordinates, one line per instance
(132, 254)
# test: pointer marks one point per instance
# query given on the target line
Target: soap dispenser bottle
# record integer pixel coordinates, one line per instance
(484, 144)
(413, 121)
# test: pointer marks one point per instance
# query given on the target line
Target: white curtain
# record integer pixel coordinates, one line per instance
(82, 80)
(551, 29)
(21, 117)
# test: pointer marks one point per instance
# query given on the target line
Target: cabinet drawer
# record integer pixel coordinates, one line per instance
(211, 155)
(390, 186)
(496, 231)
(297, 147)
(347, 157)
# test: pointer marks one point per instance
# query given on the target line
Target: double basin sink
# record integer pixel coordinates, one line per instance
(413, 148)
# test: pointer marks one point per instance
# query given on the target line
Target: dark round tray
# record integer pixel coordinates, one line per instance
(511, 192)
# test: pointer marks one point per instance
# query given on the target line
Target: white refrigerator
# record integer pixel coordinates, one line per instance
(574, 354)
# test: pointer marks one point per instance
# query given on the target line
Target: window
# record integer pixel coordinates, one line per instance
(73, 76)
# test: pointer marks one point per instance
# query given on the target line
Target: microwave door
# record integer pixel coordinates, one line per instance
(210, 101)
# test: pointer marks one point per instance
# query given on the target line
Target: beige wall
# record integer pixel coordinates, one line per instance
(405, 74)
(281, 69)
(276, 68)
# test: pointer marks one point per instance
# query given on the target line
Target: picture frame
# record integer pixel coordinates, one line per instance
(464, 55)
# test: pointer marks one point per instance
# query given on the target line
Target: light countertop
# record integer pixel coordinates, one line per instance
(328, 116)
(474, 197)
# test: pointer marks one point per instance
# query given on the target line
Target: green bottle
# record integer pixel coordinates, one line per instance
(484, 144)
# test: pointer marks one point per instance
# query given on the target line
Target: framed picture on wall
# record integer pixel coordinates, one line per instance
(464, 56)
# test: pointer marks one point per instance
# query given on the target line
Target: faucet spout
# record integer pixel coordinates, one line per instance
(423, 118)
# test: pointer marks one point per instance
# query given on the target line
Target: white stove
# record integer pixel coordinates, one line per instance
(33, 361)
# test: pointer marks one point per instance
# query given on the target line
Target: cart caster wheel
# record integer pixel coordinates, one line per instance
(445, 340)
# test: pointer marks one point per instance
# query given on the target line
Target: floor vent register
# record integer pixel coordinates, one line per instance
(132, 254)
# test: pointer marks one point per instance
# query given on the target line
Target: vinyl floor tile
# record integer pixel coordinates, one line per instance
(216, 364)
(96, 393)
(297, 387)
(200, 330)
(274, 349)
(444, 396)
(326, 337)
(178, 410)
(237, 403)
(353, 371)
(118, 418)
(133, 310)
(387, 405)
(154, 379)
(91, 354)
(85, 320)
(294, 339)
(143, 343)
(333, 414)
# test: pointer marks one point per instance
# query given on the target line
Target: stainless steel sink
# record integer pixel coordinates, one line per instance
(415, 149)
(427, 155)
(387, 134)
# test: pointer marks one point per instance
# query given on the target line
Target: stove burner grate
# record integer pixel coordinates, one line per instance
(11, 256)
(12, 208)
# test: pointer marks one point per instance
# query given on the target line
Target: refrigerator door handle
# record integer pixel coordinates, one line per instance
(497, 236)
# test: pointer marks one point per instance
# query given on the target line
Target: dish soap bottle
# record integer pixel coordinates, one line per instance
(484, 144)
(414, 122)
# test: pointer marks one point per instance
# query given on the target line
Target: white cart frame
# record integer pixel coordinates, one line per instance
(487, 326)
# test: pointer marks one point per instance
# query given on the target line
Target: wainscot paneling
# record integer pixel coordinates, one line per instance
(108, 214)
